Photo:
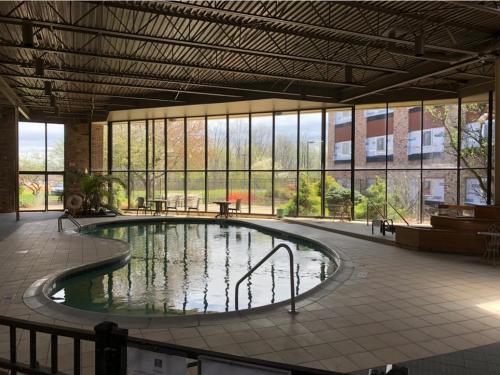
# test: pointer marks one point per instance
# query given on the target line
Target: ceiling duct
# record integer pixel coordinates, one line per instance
(27, 34)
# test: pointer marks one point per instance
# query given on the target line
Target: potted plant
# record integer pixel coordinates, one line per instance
(97, 192)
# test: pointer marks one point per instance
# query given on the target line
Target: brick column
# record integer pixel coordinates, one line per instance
(8, 159)
(77, 151)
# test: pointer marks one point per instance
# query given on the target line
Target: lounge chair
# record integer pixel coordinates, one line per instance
(142, 205)
(172, 204)
(193, 203)
(237, 208)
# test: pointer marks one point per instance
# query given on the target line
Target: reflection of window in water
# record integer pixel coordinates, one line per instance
(474, 194)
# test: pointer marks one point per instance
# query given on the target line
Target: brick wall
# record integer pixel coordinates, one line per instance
(77, 151)
(8, 157)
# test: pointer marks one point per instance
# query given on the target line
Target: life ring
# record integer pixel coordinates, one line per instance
(74, 202)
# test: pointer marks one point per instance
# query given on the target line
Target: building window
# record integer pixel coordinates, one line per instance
(380, 144)
(433, 190)
(342, 151)
(474, 194)
(41, 166)
(427, 141)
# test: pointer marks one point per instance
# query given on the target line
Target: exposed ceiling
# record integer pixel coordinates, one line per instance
(104, 56)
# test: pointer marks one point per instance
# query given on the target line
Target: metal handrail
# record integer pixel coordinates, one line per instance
(292, 280)
(368, 204)
(70, 217)
(395, 210)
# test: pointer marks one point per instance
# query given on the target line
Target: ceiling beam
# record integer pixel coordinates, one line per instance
(192, 44)
(164, 79)
(395, 82)
(114, 84)
(477, 6)
(13, 98)
(248, 20)
(173, 63)
(97, 94)
(425, 18)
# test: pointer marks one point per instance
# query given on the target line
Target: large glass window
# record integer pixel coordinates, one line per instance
(261, 194)
(138, 145)
(285, 141)
(41, 166)
(216, 143)
(405, 160)
(175, 144)
(440, 134)
(195, 143)
(119, 146)
(338, 139)
(239, 132)
(157, 145)
(310, 139)
(262, 141)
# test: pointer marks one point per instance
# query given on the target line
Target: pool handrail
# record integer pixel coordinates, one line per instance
(262, 261)
(70, 217)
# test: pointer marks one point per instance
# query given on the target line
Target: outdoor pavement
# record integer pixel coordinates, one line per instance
(388, 305)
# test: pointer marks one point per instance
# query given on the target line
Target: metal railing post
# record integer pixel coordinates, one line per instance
(110, 349)
(262, 261)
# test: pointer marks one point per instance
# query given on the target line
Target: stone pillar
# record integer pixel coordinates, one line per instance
(8, 159)
(497, 133)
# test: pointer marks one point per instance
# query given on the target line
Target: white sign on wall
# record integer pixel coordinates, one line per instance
(145, 362)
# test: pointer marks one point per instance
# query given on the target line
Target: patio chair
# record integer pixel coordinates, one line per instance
(142, 205)
(172, 204)
(193, 203)
(237, 208)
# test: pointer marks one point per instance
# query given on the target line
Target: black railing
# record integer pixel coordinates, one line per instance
(111, 343)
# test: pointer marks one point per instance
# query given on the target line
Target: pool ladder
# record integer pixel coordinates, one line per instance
(70, 217)
(292, 280)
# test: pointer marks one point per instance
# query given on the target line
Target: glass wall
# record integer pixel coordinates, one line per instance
(396, 159)
(41, 166)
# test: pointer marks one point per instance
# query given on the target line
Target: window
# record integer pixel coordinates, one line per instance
(427, 141)
(41, 166)
(380, 144)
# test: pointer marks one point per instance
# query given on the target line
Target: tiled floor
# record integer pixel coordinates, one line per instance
(391, 305)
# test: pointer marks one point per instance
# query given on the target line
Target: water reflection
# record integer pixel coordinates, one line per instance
(187, 268)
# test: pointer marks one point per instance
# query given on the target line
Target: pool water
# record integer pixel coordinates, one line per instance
(181, 268)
